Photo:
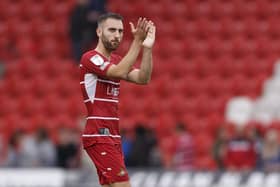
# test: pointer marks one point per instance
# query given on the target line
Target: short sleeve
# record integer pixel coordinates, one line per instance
(95, 64)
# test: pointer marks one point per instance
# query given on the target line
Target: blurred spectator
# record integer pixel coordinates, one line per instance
(142, 153)
(255, 136)
(155, 159)
(126, 144)
(21, 150)
(46, 148)
(97, 8)
(2, 151)
(68, 148)
(219, 147)
(30, 150)
(83, 24)
(29, 155)
(79, 26)
(12, 157)
(271, 151)
(183, 149)
(240, 152)
(2, 69)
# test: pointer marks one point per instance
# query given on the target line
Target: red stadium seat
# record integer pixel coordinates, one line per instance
(42, 86)
(61, 9)
(26, 47)
(192, 86)
(12, 10)
(205, 163)
(54, 105)
(165, 125)
(79, 110)
(28, 106)
(204, 143)
(151, 106)
(32, 10)
(8, 106)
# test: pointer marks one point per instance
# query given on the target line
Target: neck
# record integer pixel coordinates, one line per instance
(101, 49)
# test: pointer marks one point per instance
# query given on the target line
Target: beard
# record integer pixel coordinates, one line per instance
(110, 45)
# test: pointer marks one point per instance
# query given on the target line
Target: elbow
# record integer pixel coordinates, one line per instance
(145, 81)
(120, 75)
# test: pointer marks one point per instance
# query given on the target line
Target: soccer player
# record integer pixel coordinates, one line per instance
(101, 72)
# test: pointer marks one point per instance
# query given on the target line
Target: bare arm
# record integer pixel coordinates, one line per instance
(122, 69)
(143, 75)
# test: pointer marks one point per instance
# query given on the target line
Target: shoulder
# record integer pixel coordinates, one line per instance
(115, 58)
(88, 54)
(93, 57)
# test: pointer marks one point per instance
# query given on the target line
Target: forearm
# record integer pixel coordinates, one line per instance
(122, 69)
(146, 66)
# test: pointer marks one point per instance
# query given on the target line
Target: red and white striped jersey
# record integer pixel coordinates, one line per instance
(101, 97)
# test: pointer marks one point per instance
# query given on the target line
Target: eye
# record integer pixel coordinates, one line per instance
(112, 29)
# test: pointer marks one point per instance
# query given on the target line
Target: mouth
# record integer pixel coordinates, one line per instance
(115, 41)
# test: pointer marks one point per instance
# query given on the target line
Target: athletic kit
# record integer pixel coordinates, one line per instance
(101, 136)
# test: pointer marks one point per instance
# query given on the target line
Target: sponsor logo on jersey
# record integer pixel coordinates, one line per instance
(104, 65)
(97, 60)
(113, 91)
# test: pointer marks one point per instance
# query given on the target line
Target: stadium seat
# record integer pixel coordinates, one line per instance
(54, 105)
(192, 87)
(41, 86)
(12, 10)
(79, 110)
(8, 106)
(61, 9)
(26, 47)
(165, 125)
(273, 27)
(32, 10)
(150, 106)
(205, 163)
(204, 143)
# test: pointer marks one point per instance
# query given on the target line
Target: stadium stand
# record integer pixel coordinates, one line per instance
(207, 52)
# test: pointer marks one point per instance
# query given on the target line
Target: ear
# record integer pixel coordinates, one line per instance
(98, 31)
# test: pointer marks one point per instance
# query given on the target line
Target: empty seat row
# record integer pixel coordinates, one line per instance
(193, 9)
(28, 10)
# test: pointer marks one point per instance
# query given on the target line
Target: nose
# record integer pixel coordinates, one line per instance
(117, 34)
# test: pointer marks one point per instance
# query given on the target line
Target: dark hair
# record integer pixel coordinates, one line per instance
(106, 16)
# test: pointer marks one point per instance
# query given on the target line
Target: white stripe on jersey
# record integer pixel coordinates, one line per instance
(83, 82)
(88, 100)
(106, 100)
(101, 135)
(107, 81)
(100, 99)
(90, 85)
(104, 118)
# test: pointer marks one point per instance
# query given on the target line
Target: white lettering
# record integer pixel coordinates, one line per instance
(113, 91)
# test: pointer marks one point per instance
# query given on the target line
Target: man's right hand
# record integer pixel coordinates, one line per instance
(151, 36)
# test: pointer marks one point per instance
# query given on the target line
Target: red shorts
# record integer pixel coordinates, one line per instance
(109, 162)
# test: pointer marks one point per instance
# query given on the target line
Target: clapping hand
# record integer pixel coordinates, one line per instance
(151, 35)
(140, 31)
